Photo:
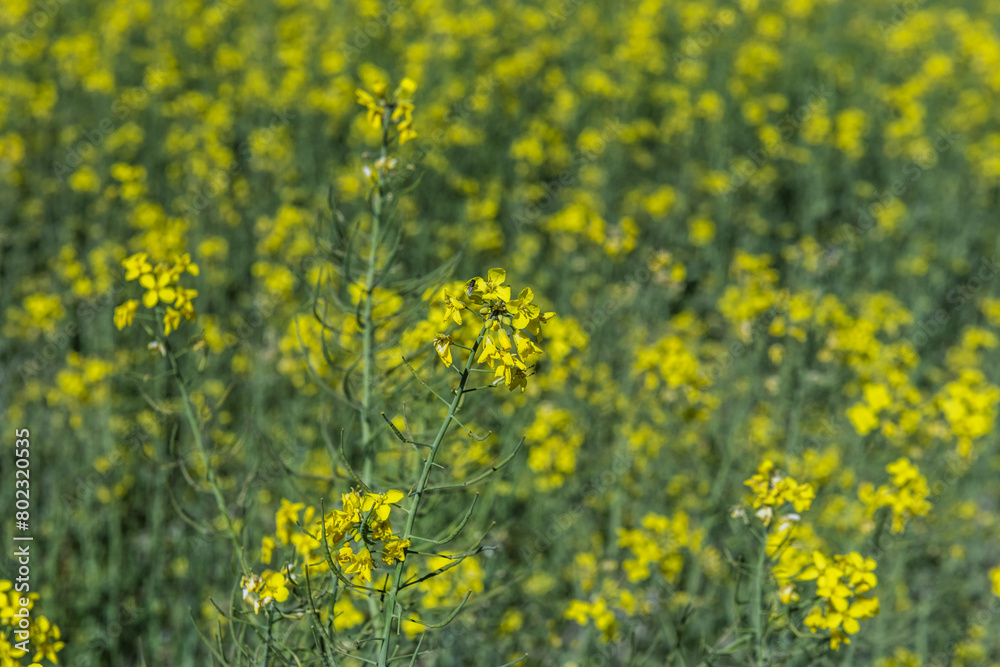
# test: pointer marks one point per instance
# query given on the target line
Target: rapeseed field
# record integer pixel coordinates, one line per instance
(551, 332)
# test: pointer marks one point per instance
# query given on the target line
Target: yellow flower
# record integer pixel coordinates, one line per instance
(184, 303)
(578, 611)
(46, 638)
(526, 348)
(136, 265)
(535, 326)
(452, 307)
(406, 131)
(183, 263)
(442, 344)
(701, 231)
(171, 321)
(125, 313)
(863, 419)
(394, 550)
(406, 88)
(346, 615)
(159, 287)
(514, 377)
(274, 584)
(264, 589)
(403, 113)
(375, 109)
(286, 516)
(266, 549)
(498, 350)
(379, 502)
(522, 309)
(359, 563)
(493, 287)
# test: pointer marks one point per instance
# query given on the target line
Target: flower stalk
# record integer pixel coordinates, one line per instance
(417, 493)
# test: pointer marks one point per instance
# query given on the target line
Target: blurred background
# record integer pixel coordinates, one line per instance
(769, 230)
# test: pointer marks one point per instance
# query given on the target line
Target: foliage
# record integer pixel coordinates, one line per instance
(237, 294)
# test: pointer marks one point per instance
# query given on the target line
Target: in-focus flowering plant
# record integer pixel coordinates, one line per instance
(771, 490)
(840, 586)
(162, 288)
(397, 109)
(261, 590)
(512, 327)
(796, 555)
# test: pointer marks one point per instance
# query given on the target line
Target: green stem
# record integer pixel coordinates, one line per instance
(368, 336)
(368, 349)
(756, 611)
(397, 577)
(267, 643)
(192, 419)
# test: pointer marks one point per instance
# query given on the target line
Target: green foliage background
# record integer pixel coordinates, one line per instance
(619, 158)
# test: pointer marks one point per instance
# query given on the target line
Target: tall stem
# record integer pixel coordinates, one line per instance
(755, 608)
(368, 334)
(397, 576)
(267, 642)
(192, 419)
(368, 347)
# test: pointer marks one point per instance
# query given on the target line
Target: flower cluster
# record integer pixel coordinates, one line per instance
(598, 611)
(395, 110)
(655, 546)
(507, 347)
(264, 589)
(840, 584)
(364, 520)
(771, 490)
(161, 285)
(25, 628)
(907, 495)
(658, 542)
(286, 519)
(790, 545)
(796, 554)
